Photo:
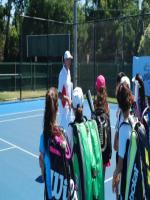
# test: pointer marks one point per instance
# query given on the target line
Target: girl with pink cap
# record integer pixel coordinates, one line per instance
(103, 120)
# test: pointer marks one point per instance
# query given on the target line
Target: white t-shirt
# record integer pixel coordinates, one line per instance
(65, 86)
(124, 134)
(64, 82)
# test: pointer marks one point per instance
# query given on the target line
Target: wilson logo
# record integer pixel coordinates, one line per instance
(134, 182)
(60, 186)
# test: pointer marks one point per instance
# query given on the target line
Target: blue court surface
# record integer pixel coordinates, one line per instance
(21, 125)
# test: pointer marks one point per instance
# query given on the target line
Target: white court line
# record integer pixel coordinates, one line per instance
(21, 149)
(18, 118)
(9, 114)
(109, 179)
(6, 149)
(33, 155)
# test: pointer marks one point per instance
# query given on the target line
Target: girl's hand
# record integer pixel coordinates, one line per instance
(69, 103)
(67, 99)
(115, 183)
(41, 163)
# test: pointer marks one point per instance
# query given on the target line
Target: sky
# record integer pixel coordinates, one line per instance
(4, 1)
(83, 1)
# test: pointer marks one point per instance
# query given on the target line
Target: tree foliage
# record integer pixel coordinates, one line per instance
(2, 35)
(116, 39)
(118, 31)
(144, 48)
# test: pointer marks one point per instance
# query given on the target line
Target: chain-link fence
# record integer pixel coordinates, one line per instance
(35, 76)
(108, 47)
(104, 47)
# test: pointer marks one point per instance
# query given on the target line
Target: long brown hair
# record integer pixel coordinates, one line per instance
(79, 114)
(51, 107)
(101, 100)
(124, 97)
(141, 92)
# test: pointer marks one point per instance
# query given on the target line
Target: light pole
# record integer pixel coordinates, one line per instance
(140, 2)
(75, 63)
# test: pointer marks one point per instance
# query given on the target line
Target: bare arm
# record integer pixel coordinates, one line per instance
(116, 142)
(41, 163)
(116, 175)
(64, 97)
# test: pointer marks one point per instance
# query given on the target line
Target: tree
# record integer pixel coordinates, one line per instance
(102, 9)
(144, 48)
(58, 15)
(2, 24)
(48, 9)
(13, 47)
(118, 38)
(52, 9)
(140, 29)
(12, 19)
(8, 14)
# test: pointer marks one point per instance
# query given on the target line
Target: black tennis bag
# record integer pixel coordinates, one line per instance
(61, 185)
(104, 129)
(135, 181)
(146, 122)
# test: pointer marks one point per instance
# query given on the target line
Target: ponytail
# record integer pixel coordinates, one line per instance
(101, 101)
(79, 115)
(51, 107)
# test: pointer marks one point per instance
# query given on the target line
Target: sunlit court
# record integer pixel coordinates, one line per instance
(21, 125)
(72, 72)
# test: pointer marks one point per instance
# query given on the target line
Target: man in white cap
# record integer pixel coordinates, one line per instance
(65, 88)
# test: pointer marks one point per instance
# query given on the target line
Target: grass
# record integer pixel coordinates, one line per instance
(112, 100)
(10, 96)
(5, 96)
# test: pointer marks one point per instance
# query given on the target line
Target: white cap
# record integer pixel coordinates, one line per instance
(133, 79)
(67, 55)
(126, 80)
(136, 78)
(77, 97)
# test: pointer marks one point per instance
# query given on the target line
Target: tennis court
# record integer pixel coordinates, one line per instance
(20, 128)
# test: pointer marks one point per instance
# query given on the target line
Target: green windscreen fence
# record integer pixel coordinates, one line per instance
(41, 76)
(53, 45)
(35, 76)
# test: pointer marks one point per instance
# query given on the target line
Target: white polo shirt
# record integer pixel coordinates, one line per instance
(65, 86)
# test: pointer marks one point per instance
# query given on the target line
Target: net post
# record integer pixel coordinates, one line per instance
(20, 86)
(47, 85)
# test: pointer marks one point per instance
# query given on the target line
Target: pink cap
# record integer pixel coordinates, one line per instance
(100, 82)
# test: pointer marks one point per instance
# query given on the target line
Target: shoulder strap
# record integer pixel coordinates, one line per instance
(124, 123)
(99, 111)
(119, 117)
(72, 123)
(146, 111)
(85, 118)
(130, 122)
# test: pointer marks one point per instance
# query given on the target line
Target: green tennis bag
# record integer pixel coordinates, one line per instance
(87, 162)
